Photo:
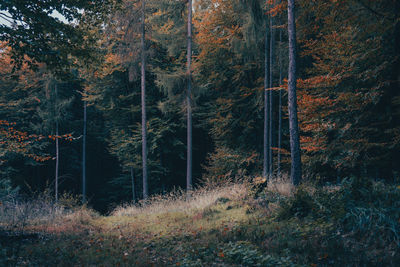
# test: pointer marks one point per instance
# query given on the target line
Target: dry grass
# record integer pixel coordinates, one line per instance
(281, 185)
(42, 215)
(177, 201)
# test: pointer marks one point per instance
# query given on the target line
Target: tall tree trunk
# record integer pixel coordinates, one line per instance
(280, 107)
(189, 185)
(144, 121)
(295, 173)
(271, 94)
(133, 185)
(57, 142)
(266, 104)
(84, 153)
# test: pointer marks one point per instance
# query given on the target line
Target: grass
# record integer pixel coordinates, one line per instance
(354, 224)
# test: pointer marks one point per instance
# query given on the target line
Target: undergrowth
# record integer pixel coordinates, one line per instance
(354, 224)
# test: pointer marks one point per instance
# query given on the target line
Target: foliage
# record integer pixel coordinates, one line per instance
(38, 36)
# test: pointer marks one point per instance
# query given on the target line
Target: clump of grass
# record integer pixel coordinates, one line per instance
(179, 201)
(42, 213)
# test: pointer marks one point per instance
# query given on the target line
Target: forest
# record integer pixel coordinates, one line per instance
(200, 132)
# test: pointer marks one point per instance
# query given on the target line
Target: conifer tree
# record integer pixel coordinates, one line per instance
(143, 90)
(267, 69)
(84, 152)
(188, 100)
(271, 94)
(295, 172)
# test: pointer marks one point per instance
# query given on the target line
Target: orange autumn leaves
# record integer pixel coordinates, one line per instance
(13, 140)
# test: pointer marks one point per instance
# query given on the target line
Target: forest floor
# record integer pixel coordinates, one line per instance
(227, 226)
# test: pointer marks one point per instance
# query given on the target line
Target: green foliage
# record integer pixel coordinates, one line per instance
(299, 206)
(37, 36)
(226, 165)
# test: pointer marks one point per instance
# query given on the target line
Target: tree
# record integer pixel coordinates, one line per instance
(267, 102)
(271, 84)
(33, 30)
(189, 185)
(349, 112)
(295, 171)
(143, 90)
(84, 151)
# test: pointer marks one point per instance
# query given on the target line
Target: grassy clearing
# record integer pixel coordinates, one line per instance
(355, 224)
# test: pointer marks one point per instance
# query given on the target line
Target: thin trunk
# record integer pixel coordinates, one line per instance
(188, 101)
(144, 122)
(280, 107)
(84, 153)
(271, 95)
(57, 143)
(133, 185)
(295, 173)
(266, 103)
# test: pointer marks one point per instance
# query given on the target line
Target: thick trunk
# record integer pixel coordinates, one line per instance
(144, 122)
(266, 104)
(271, 95)
(84, 153)
(295, 174)
(280, 107)
(57, 144)
(188, 101)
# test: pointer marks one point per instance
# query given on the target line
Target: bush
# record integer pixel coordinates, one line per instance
(361, 217)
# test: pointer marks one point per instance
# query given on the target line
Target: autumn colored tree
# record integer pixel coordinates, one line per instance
(348, 108)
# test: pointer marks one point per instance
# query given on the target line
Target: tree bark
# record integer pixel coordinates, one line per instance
(57, 143)
(266, 105)
(280, 107)
(189, 185)
(271, 95)
(295, 173)
(144, 121)
(84, 153)
(133, 185)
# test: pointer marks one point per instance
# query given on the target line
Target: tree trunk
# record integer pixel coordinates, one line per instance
(144, 122)
(280, 107)
(188, 101)
(271, 95)
(133, 185)
(295, 174)
(84, 153)
(266, 104)
(57, 143)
